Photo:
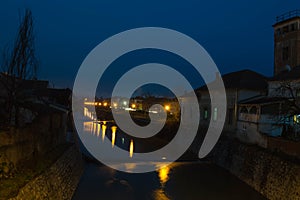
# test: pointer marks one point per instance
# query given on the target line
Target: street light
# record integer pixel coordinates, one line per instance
(167, 108)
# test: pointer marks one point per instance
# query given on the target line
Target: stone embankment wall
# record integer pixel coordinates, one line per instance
(274, 175)
(58, 182)
(36, 139)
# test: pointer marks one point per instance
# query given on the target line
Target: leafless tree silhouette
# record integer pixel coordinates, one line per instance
(289, 108)
(19, 63)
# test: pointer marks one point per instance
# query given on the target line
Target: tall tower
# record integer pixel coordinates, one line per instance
(287, 41)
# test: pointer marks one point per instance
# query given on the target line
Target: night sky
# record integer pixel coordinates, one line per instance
(237, 34)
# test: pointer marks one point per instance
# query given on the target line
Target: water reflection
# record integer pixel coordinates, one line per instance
(113, 136)
(97, 128)
(130, 166)
(87, 126)
(103, 131)
(160, 195)
(94, 128)
(163, 174)
(131, 149)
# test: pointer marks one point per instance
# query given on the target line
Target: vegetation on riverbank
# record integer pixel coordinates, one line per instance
(28, 170)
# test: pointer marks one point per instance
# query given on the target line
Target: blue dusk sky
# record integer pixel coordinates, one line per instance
(237, 34)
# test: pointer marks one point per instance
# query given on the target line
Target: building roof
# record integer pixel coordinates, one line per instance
(263, 100)
(281, 19)
(287, 75)
(244, 79)
(23, 84)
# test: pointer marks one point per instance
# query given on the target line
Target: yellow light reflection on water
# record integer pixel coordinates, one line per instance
(159, 194)
(98, 129)
(103, 131)
(87, 126)
(94, 128)
(113, 136)
(163, 174)
(131, 149)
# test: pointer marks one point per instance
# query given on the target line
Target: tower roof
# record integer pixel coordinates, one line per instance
(294, 14)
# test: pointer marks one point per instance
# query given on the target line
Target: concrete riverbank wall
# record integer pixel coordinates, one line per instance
(58, 182)
(274, 175)
(31, 141)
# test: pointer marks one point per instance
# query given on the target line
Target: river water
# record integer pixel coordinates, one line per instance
(194, 180)
(182, 181)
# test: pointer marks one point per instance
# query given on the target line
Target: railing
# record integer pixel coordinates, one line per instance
(288, 15)
(248, 117)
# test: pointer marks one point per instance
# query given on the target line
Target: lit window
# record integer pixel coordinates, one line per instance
(215, 116)
(296, 119)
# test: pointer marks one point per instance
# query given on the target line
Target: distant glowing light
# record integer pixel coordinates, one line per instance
(153, 111)
(133, 106)
(129, 109)
(105, 104)
(167, 107)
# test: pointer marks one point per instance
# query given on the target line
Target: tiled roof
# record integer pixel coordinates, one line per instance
(244, 79)
(263, 100)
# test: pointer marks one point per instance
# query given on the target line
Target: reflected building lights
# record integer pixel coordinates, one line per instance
(163, 174)
(94, 128)
(131, 148)
(98, 129)
(103, 131)
(113, 136)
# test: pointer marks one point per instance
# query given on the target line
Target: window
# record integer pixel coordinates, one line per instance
(253, 110)
(298, 93)
(205, 114)
(278, 32)
(285, 29)
(285, 53)
(293, 27)
(215, 116)
(296, 119)
(243, 110)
